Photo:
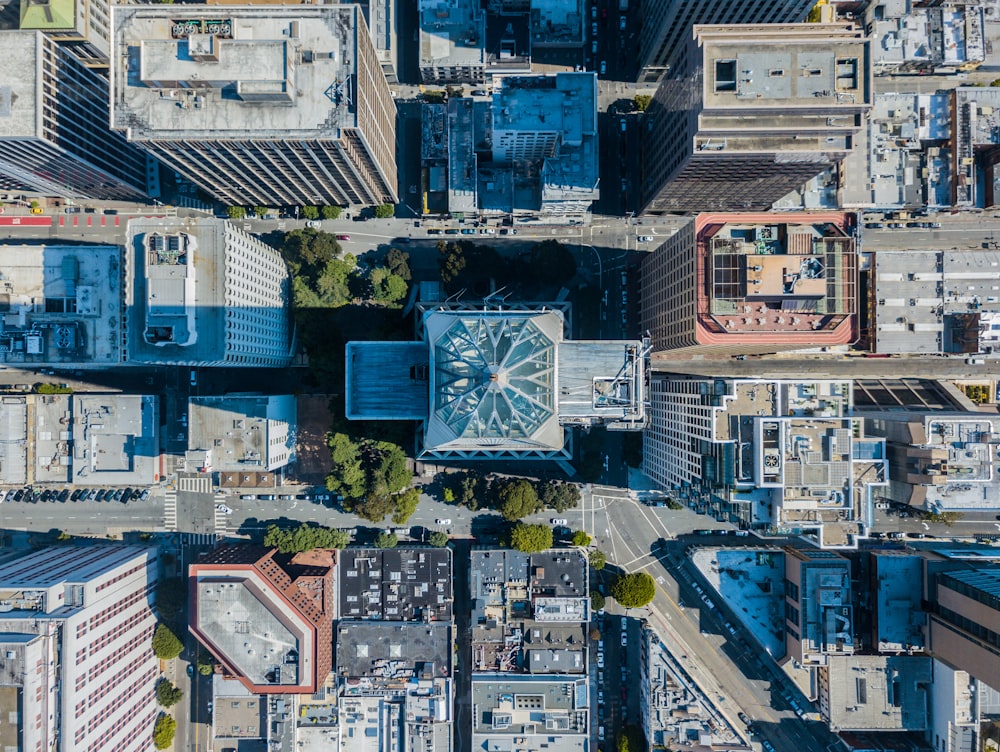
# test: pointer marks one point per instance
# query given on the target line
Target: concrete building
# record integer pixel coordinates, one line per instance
(673, 710)
(819, 617)
(63, 306)
(944, 38)
(896, 588)
(266, 617)
(941, 461)
(204, 293)
(497, 383)
(935, 302)
(751, 112)
(667, 25)
(875, 692)
(768, 454)
(974, 153)
(398, 584)
(957, 709)
(54, 135)
(752, 283)
(77, 669)
(557, 24)
(531, 150)
(964, 614)
(273, 106)
(452, 42)
(527, 711)
(529, 612)
(82, 27)
(240, 433)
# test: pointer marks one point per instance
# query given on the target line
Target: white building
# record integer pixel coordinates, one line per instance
(235, 433)
(77, 669)
(204, 293)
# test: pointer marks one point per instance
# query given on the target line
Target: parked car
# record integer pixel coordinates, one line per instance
(343, 237)
(265, 497)
(558, 521)
(223, 508)
(468, 231)
(604, 67)
(72, 210)
(622, 23)
(144, 495)
(645, 238)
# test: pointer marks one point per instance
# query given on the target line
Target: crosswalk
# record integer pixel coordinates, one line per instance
(196, 484)
(170, 510)
(221, 518)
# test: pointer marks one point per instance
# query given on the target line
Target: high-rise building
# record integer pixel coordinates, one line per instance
(819, 617)
(202, 292)
(752, 283)
(275, 105)
(751, 112)
(80, 26)
(77, 668)
(666, 25)
(54, 135)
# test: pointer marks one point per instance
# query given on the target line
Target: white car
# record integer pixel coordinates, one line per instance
(558, 521)
(645, 238)
(600, 660)
(223, 508)
(442, 522)
(314, 224)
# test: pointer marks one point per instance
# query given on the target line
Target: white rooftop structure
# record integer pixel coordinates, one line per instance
(943, 39)
(876, 692)
(452, 41)
(115, 439)
(250, 432)
(524, 711)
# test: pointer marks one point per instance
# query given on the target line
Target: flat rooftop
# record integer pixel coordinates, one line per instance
(899, 619)
(508, 708)
(115, 439)
(20, 108)
(393, 652)
(60, 305)
(398, 584)
(452, 34)
(889, 693)
(387, 380)
(240, 430)
(220, 72)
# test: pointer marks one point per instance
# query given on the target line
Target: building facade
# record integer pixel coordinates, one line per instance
(752, 113)
(819, 617)
(739, 284)
(77, 669)
(667, 25)
(272, 106)
(54, 136)
(204, 293)
(964, 618)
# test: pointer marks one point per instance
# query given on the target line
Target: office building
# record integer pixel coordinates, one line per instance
(266, 617)
(497, 383)
(958, 702)
(975, 117)
(54, 135)
(752, 112)
(63, 306)
(942, 39)
(241, 433)
(875, 692)
(399, 584)
(452, 42)
(896, 586)
(819, 617)
(941, 461)
(773, 455)
(737, 284)
(964, 614)
(77, 669)
(272, 106)
(530, 150)
(204, 293)
(519, 711)
(667, 24)
(935, 302)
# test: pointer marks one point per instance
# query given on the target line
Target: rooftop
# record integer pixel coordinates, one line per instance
(115, 439)
(241, 432)
(506, 709)
(452, 35)
(899, 618)
(393, 653)
(20, 93)
(235, 714)
(278, 71)
(557, 22)
(398, 584)
(58, 304)
(879, 692)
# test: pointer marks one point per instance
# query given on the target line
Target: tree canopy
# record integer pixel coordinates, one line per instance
(166, 644)
(558, 496)
(596, 600)
(633, 590)
(530, 538)
(167, 694)
(437, 538)
(516, 498)
(581, 538)
(330, 212)
(642, 101)
(384, 211)
(163, 731)
(406, 505)
(597, 560)
(386, 540)
(305, 537)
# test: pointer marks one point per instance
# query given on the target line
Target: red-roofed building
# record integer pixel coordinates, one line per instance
(265, 616)
(734, 284)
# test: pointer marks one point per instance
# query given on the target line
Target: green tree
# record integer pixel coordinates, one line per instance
(386, 286)
(206, 666)
(331, 212)
(34, 205)
(390, 472)
(633, 590)
(236, 212)
(553, 262)
(406, 505)
(166, 645)
(530, 538)
(384, 211)
(260, 211)
(451, 259)
(581, 538)
(516, 498)
(642, 101)
(557, 495)
(437, 538)
(596, 600)
(597, 560)
(448, 494)
(347, 476)
(305, 537)
(310, 212)
(995, 82)
(163, 731)
(398, 262)
(386, 540)
(63, 536)
(374, 507)
(52, 389)
(167, 694)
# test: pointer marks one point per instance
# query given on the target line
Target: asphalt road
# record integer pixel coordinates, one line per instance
(832, 367)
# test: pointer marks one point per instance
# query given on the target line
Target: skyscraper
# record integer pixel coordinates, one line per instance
(666, 25)
(751, 112)
(263, 105)
(964, 622)
(54, 135)
(203, 293)
(77, 669)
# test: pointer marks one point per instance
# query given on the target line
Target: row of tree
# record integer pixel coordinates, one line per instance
(513, 498)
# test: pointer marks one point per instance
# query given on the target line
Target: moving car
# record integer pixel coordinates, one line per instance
(558, 521)
(315, 224)
(343, 237)
(442, 522)
(645, 238)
